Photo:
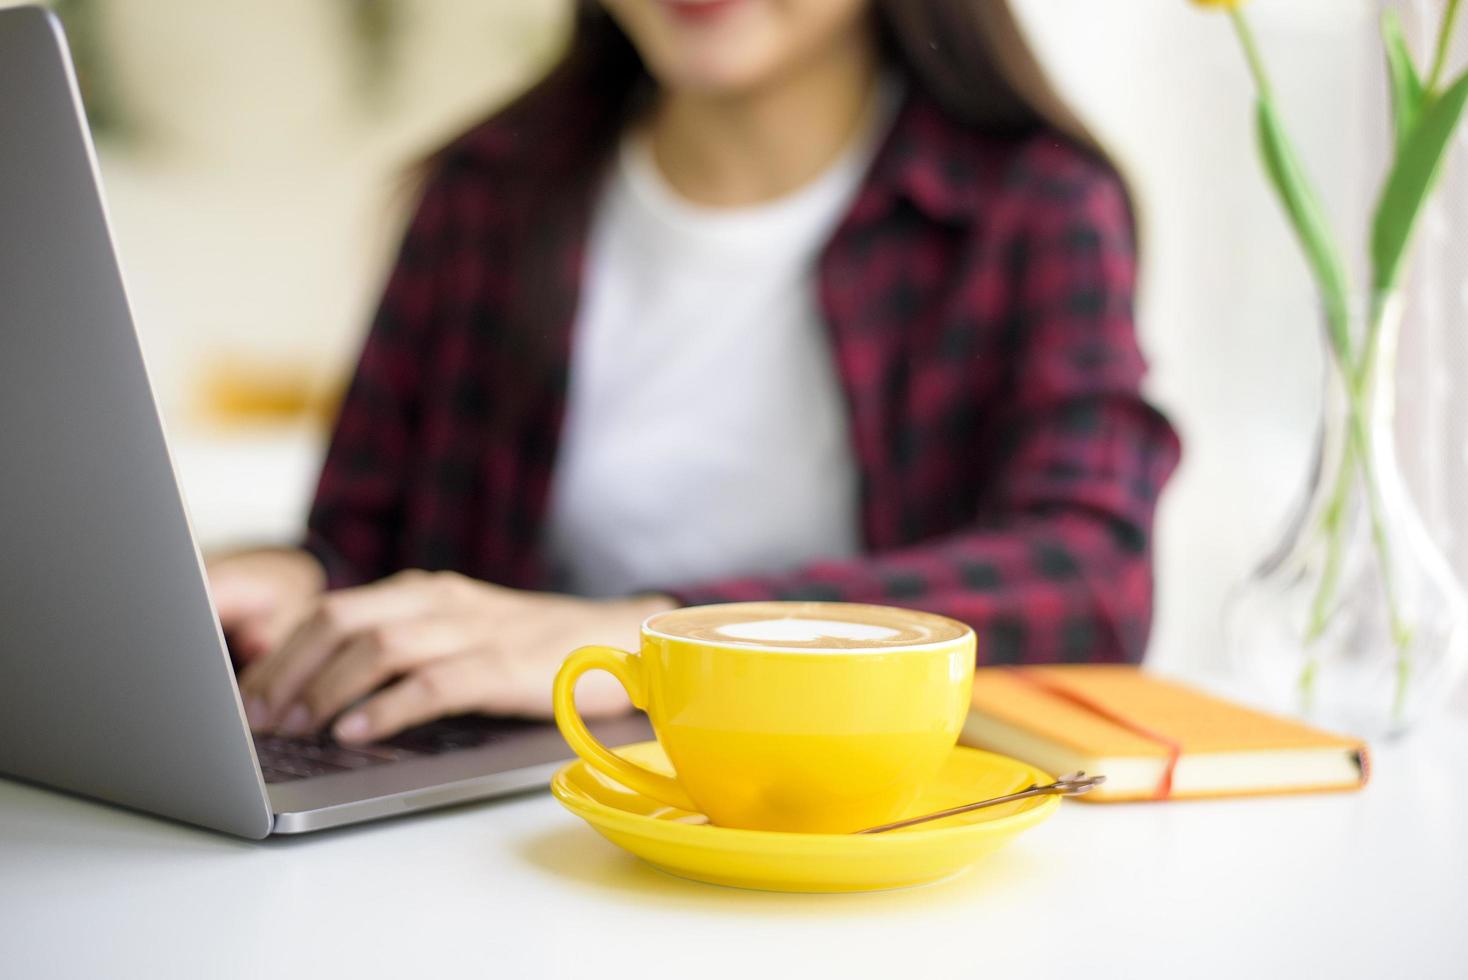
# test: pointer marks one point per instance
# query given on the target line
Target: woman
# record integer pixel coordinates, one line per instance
(800, 299)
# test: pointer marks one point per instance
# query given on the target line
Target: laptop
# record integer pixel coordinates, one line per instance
(115, 679)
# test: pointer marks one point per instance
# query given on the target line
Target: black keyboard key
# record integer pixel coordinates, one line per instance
(360, 758)
(283, 759)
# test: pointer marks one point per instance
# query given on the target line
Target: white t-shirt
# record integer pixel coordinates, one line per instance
(706, 432)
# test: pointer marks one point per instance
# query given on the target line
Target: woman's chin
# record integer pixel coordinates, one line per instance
(714, 75)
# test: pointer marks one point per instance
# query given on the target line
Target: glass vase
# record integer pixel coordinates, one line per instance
(1354, 619)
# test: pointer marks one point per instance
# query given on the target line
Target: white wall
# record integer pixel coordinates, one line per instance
(262, 197)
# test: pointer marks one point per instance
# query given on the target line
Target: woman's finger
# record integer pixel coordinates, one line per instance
(448, 686)
(271, 686)
(379, 654)
(249, 643)
(257, 638)
(238, 597)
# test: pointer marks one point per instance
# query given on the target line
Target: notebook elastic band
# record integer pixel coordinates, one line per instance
(1173, 747)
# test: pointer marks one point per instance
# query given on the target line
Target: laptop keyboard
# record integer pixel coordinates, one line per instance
(284, 759)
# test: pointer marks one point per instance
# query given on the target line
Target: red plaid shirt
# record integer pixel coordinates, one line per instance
(979, 295)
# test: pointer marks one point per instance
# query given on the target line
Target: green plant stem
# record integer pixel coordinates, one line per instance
(1362, 376)
(1332, 526)
(1356, 456)
(1404, 677)
(1401, 635)
(1340, 336)
(1251, 52)
(1444, 44)
(1307, 683)
(1340, 498)
(1401, 632)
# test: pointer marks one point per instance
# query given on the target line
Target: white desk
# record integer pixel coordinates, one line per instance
(1371, 885)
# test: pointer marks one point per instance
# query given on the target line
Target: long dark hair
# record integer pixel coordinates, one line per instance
(969, 56)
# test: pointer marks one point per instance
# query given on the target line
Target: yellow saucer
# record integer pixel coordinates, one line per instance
(680, 843)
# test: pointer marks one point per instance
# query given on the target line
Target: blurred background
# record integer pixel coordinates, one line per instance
(257, 159)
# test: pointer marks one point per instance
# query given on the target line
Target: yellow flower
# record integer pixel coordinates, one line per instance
(1230, 4)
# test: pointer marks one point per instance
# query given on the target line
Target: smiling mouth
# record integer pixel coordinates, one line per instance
(699, 11)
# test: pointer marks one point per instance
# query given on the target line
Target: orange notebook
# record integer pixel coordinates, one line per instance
(1152, 738)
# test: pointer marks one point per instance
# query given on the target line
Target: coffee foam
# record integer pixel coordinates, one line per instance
(804, 631)
(807, 626)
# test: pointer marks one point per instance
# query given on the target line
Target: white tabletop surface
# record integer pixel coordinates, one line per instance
(1372, 884)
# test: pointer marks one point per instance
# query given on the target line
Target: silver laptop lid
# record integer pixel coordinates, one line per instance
(114, 678)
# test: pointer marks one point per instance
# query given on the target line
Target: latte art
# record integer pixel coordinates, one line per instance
(807, 626)
(804, 631)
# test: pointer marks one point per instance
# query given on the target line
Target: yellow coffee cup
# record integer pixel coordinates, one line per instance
(805, 716)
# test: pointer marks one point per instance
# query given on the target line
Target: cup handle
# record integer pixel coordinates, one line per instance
(625, 667)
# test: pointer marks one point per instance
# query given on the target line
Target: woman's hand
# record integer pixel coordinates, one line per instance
(450, 644)
(262, 596)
